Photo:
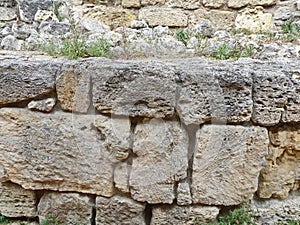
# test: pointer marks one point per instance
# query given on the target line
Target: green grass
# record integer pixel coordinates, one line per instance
(3, 220)
(183, 36)
(225, 51)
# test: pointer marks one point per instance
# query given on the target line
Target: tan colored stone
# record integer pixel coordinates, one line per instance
(164, 16)
(254, 20)
(227, 163)
(66, 208)
(184, 193)
(189, 4)
(282, 171)
(131, 3)
(183, 215)
(121, 177)
(59, 151)
(161, 149)
(44, 105)
(242, 3)
(111, 16)
(152, 2)
(119, 210)
(16, 201)
(213, 3)
(45, 15)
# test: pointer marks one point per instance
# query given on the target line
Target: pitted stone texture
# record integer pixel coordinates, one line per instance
(152, 2)
(66, 208)
(276, 96)
(121, 177)
(213, 3)
(183, 215)
(242, 3)
(233, 157)
(45, 15)
(164, 16)
(184, 193)
(73, 88)
(161, 160)
(189, 4)
(275, 211)
(146, 89)
(60, 151)
(131, 3)
(282, 171)
(16, 201)
(44, 105)
(8, 3)
(210, 93)
(7, 14)
(28, 9)
(119, 210)
(23, 80)
(254, 20)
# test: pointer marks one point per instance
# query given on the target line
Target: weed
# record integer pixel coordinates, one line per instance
(183, 36)
(290, 27)
(50, 220)
(3, 220)
(99, 48)
(225, 51)
(290, 222)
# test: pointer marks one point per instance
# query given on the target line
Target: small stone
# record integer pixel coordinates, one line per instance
(44, 105)
(184, 193)
(121, 177)
(213, 3)
(131, 3)
(188, 4)
(204, 28)
(94, 26)
(138, 24)
(45, 15)
(11, 43)
(152, 2)
(7, 14)
(28, 9)
(8, 3)
(283, 13)
(55, 28)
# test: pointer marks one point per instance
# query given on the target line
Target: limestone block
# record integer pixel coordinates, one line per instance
(254, 20)
(227, 162)
(66, 208)
(189, 4)
(44, 105)
(152, 2)
(7, 14)
(184, 193)
(161, 159)
(8, 3)
(283, 13)
(73, 88)
(213, 3)
(121, 177)
(10, 42)
(183, 215)
(164, 16)
(23, 80)
(45, 15)
(16, 201)
(60, 152)
(131, 3)
(282, 171)
(119, 210)
(28, 9)
(111, 16)
(275, 96)
(242, 3)
(145, 89)
(208, 93)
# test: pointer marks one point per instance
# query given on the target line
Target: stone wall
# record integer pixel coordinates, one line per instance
(98, 141)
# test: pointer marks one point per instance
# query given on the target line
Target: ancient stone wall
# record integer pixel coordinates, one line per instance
(177, 141)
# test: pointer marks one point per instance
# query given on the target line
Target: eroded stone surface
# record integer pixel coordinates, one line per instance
(7, 14)
(121, 177)
(119, 210)
(184, 193)
(282, 171)
(44, 105)
(57, 151)
(66, 208)
(28, 9)
(233, 157)
(189, 4)
(183, 215)
(161, 150)
(16, 201)
(242, 3)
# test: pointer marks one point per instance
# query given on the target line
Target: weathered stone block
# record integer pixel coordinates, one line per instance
(189, 4)
(164, 16)
(131, 3)
(119, 210)
(57, 151)
(282, 171)
(16, 201)
(183, 215)
(161, 149)
(184, 193)
(145, 89)
(8, 3)
(227, 163)
(121, 177)
(213, 3)
(242, 3)
(152, 2)
(65, 208)
(44, 105)
(28, 9)
(7, 14)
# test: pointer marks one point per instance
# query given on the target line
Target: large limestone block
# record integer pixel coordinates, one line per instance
(161, 149)
(214, 93)
(190, 4)
(164, 16)
(57, 151)
(242, 3)
(65, 208)
(227, 163)
(146, 89)
(119, 210)
(28, 9)
(7, 14)
(254, 20)
(183, 215)
(16, 201)
(282, 170)
(111, 16)
(276, 96)
(23, 80)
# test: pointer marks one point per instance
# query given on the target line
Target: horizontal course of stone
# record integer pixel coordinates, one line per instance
(148, 141)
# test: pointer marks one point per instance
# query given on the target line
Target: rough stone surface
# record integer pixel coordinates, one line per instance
(184, 193)
(121, 177)
(189, 4)
(242, 3)
(45, 15)
(16, 201)
(164, 17)
(208, 93)
(152, 2)
(7, 14)
(28, 9)
(274, 211)
(131, 3)
(11, 43)
(282, 171)
(8, 3)
(24, 80)
(254, 20)
(66, 208)
(44, 105)
(119, 210)
(39, 151)
(134, 89)
(233, 156)
(161, 150)
(213, 3)
(183, 215)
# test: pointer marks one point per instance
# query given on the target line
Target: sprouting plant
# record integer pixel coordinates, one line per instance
(290, 27)
(50, 220)
(222, 52)
(3, 220)
(225, 51)
(99, 48)
(183, 36)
